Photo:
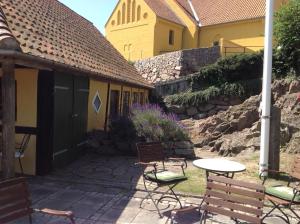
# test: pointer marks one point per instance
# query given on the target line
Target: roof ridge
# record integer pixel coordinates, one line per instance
(7, 40)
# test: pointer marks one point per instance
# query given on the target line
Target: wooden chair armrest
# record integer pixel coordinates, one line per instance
(66, 214)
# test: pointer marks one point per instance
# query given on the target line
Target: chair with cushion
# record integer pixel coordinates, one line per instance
(239, 200)
(152, 155)
(285, 196)
(15, 203)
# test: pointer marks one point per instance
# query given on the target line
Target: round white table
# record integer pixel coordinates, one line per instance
(218, 166)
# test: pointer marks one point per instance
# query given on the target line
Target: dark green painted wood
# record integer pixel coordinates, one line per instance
(70, 117)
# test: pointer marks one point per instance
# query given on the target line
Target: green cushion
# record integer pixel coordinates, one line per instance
(282, 192)
(166, 176)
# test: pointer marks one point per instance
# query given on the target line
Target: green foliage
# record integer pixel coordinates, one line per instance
(229, 69)
(287, 33)
(241, 89)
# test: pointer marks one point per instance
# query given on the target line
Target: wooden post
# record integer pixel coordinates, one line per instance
(8, 119)
(274, 152)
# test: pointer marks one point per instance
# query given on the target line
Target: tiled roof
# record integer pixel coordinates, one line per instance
(211, 12)
(162, 9)
(50, 30)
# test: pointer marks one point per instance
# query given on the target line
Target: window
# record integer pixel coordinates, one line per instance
(171, 37)
(123, 13)
(142, 100)
(135, 98)
(1, 106)
(97, 102)
(138, 13)
(126, 98)
(133, 10)
(114, 104)
(119, 18)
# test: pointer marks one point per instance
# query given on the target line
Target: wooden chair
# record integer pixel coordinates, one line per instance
(235, 199)
(152, 154)
(15, 202)
(285, 196)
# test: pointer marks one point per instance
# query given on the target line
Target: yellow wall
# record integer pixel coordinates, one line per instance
(161, 37)
(190, 33)
(133, 39)
(27, 81)
(230, 35)
(97, 120)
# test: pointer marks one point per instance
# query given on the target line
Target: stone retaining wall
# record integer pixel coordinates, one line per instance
(205, 110)
(173, 65)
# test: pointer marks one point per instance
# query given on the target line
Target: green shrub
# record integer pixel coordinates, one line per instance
(229, 69)
(287, 34)
(240, 89)
(153, 124)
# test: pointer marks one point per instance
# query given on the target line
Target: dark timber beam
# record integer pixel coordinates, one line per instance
(8, 119)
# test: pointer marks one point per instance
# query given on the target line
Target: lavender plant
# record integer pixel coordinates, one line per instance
(152, 123)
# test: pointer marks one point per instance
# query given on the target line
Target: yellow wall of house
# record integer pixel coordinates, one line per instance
(97, 120)
(27, 82)
(190, 33)
(161, 37)
(232, 39)
(134, 38)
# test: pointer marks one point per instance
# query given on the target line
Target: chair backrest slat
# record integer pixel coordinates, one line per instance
(236, 199)
(149, 152)
(232, 214)
(14, 200)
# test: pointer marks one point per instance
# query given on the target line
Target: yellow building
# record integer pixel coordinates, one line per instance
(146, 28)
(65, 78)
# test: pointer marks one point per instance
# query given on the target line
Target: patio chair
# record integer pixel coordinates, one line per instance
(20, 150)
(285, 196)
(241, 201)
(152, 154)
(15, 203)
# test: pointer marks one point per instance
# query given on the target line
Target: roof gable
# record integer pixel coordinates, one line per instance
(50, 30)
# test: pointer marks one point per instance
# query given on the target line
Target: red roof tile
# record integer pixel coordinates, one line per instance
(162, 9)
(50, 30)
(211, 12)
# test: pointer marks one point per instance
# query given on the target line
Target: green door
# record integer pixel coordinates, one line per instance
(80, 112)
(70, 117)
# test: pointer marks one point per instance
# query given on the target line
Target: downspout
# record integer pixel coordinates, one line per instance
(197, 20)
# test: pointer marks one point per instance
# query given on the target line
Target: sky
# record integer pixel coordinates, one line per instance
(96, 11)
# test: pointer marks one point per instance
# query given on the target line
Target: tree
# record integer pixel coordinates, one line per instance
(287, 34)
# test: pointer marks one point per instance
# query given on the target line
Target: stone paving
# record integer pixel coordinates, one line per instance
(105, 190)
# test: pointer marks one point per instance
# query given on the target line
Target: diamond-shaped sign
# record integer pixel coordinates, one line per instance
(97, 102)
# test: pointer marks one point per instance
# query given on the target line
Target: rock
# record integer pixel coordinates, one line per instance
(200, 116)
(178, 68)
(212, 112)
(219, 107)
(206, 107)
(293, 145)
(222, 127)
(191, 111)
(182, 117)
(177, 109)
(294, 87)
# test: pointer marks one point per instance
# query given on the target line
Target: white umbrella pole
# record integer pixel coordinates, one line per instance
(266, 91)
